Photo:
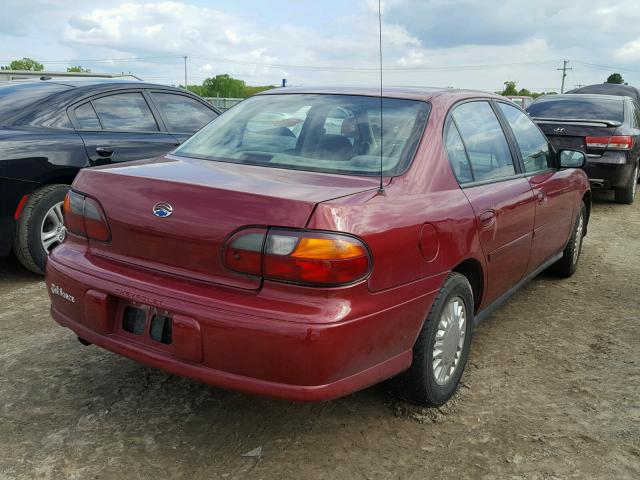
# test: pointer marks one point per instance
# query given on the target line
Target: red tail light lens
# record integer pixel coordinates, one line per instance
(304, 257)
(615, 142)
(84, 216)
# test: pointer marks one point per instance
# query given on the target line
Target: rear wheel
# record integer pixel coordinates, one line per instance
(40, 227)
(441, 350)
(627, 194)
(568, 264)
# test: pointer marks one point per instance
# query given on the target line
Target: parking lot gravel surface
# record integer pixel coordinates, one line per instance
(551, 391)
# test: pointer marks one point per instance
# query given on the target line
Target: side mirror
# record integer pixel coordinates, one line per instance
(572, 159)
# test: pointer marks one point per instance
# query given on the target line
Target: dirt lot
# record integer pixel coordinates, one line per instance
(551, 391)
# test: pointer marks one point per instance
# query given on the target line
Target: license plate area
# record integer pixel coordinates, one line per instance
(568, 143)
(148, 323)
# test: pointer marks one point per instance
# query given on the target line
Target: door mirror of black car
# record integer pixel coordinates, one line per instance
(572, 159)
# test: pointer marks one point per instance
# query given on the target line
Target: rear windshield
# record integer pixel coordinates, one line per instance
(323, 133)
(578, 108)
(14, 96)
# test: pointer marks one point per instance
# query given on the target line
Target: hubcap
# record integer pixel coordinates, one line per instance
(52, 230)
(449, 341)
(578, 240)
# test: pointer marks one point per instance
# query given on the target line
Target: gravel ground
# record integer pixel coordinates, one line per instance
(551, 391)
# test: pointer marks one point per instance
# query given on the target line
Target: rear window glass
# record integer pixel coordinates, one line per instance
(324, 133)
(578, 108)
(15, 96)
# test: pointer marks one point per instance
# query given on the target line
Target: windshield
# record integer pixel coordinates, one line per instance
(578, 108)
(323, 133)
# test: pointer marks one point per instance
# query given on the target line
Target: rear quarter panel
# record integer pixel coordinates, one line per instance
(421, 226)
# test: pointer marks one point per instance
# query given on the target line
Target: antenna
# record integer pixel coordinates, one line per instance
(381, 187)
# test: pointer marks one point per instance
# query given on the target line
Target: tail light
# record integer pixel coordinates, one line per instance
(84, 216)
(298, 256)
(616, 142)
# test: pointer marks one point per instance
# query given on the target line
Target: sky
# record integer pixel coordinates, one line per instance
(440, 43)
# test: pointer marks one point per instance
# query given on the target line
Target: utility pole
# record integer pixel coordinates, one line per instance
(564, 73)
(185, 73)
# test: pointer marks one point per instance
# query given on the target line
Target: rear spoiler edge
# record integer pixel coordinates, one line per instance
(608, 123)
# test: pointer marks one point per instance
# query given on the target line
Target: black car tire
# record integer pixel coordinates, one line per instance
(418, 384)
(627, 194)
(568, 264)
(28, 243)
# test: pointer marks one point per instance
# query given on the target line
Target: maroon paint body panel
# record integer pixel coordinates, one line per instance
(285, 340)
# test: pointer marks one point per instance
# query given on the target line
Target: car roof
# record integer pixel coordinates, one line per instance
(411, 93)
(609, 88)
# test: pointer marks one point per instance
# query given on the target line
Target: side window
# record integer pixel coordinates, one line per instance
(485, 142)
(127, 112)
(636, 112)
(183, 114)
(457, 155)
(87, 118)
(532, 143)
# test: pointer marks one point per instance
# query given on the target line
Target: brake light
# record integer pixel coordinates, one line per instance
(615, 142)
(297, 256)
(84, 216)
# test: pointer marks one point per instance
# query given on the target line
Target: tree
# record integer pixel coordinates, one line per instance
(615, 78)
(509, 89)
(24, 64)
(78, 69)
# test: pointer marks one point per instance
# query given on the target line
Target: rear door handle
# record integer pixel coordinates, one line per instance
(104, 151)
(487, 218)
(541, 196)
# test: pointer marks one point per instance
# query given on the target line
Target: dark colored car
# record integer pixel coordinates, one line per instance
(609, 89)
(263, 256)
(49, 130)
(605, 127)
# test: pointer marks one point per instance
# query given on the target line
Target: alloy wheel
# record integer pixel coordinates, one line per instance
(52, 230)
(578, 240)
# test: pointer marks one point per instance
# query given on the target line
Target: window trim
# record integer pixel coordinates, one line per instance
(516, 161)
(159, 122)
(165, 121)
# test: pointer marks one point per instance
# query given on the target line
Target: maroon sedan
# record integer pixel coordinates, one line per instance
(263, 256)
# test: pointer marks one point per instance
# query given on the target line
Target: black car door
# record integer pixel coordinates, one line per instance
(183, 115)
(120, 127)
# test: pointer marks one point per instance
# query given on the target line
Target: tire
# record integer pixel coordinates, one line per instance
(420, 384)
(28, 245)
(568, 264)
(627, 195)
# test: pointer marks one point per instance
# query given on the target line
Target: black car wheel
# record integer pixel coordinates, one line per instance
(441, 350)
(40, 227)
(568, 264)
(627, 194)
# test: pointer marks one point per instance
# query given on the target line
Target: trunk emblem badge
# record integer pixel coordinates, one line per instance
(162, 210)
(558, 130)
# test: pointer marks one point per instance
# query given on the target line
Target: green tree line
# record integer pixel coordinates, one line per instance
(224, 85)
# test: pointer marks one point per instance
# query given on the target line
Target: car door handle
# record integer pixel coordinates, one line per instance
(487, 218)
(541, 196)
(104, 151)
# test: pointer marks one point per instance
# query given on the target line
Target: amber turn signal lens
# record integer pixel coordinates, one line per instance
(328, 249)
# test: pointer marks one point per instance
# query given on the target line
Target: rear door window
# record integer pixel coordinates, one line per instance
(532, 143)
(457, 154)
(126, 112)
(183, 114)
(484, 141)
(87, 118)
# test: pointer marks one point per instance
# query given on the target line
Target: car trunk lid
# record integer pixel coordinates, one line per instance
(572, 134)
(210, 200)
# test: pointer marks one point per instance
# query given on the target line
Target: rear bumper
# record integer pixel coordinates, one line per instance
(614, 176)
(359, 340)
